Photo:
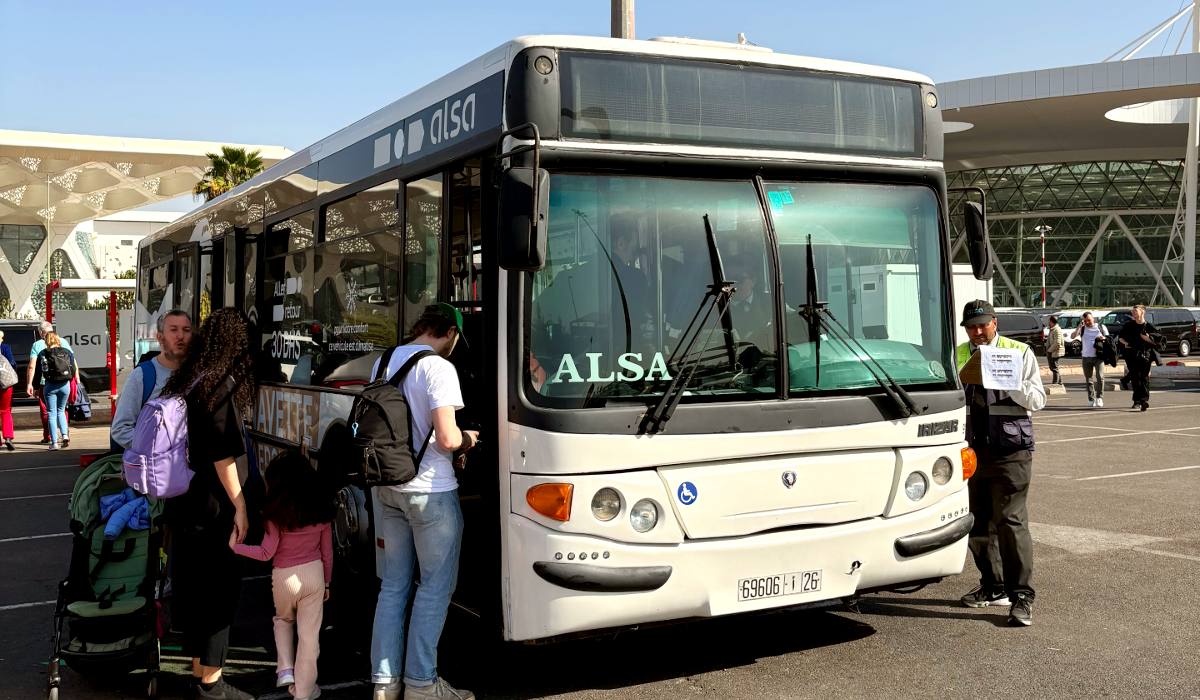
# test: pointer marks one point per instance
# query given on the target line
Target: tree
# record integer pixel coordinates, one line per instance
(124, 299)
(227, 170)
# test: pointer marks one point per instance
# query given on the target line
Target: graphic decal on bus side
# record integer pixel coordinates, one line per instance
(687, 493)
(630, 363)
(288, 415)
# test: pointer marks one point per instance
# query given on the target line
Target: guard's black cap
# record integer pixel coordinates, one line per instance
(978, 311)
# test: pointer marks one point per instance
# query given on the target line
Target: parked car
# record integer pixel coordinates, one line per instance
(1177, 327)
(1024, 326)
(20, 336)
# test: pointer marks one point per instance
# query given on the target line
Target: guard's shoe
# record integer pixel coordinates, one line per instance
(1021, 612)
(440, 690)
(1099, 403)
(982, 597)
(388, 691)
(221, 691)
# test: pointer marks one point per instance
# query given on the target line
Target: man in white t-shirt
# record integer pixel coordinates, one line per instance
(1090, 329)
(420, 523)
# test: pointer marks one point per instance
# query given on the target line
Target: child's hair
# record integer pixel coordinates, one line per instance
(296, 494)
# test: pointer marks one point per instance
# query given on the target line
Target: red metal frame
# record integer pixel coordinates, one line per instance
(110, 360)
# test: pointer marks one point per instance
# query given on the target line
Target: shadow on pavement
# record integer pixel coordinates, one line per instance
(932, 608)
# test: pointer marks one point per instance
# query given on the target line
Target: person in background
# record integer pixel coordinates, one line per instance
(54, 368)
(30, 386)
(299, 543)
(1089, 331)
(174, 335)
(6, 419)
(1000, 430)
(1138, 347)
(216, 380)
(1056, 347)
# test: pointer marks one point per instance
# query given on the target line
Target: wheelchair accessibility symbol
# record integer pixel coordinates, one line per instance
(687, 493)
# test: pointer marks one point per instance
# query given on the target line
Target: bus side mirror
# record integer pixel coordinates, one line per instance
(977, 240)
(524, 199)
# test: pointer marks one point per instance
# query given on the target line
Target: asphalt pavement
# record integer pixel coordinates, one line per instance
(1117, 553)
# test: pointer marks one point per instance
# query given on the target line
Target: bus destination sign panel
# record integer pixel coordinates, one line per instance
(441, 125)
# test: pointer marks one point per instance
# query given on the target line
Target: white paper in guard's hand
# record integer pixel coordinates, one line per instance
(1001, 368)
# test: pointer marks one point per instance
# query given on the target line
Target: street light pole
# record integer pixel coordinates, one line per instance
(1043, 229)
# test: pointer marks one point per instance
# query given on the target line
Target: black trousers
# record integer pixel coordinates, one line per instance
(1139, 378)
(1000, 540)
(1052, 361)
(206, 579)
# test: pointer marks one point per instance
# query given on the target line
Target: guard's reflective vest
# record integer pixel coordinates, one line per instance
(1009, 425)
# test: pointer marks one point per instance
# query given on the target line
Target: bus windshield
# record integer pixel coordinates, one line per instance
(629, 267)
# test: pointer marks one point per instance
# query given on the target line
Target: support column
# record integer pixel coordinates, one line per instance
(622, 19)
(1189, 228)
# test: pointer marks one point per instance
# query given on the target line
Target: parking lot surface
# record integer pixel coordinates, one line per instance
(1116, 529)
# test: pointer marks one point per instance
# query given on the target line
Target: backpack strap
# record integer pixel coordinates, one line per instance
(395, 381)
(384, 361)
(149, 377)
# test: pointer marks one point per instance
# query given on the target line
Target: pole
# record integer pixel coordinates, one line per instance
(50, 287)
(1189, 227)
(1043, 268)
(111, 360)
(622, 19)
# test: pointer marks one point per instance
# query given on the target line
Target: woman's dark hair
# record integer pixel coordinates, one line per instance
(296, 494)
(218, 352)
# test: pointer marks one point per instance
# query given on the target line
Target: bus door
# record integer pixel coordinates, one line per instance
(187, 279)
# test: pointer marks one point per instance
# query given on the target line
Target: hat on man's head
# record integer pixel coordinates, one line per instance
(451, 312)
(977, 312)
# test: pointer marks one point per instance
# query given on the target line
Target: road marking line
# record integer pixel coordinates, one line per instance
(34, 537)
(44, 495)
(38, 469)
(1148, 471)
(1170, 431)
(1092, 427)
(19, 606)
(1083, 540)
(1161, 553)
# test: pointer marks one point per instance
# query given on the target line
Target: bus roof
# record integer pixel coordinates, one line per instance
(499, 59)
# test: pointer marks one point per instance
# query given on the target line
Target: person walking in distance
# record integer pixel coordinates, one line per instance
(420, 523)
(1089, 331)
(32, 388)
(55, 367)
(1000, 430)
(1138, 346)
(1056, 347)
(174, 334)
(299, 542)
(6, 418)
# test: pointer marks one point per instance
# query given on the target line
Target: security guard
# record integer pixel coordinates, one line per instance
(1000, 430)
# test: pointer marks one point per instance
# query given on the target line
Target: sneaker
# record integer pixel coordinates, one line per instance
(54, 446)
(285, 678)
(440, 690)
(388, 691)
(1100, 403)
(8, 444)
(981, 597)
(66, 442)
(1091, 403)
(1145, 405)
(1021, 612)
(221, 691)
(316, 693)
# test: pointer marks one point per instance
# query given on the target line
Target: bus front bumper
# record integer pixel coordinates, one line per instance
(612, 584)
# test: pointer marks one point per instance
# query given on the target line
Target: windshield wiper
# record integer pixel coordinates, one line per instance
(815, 312)
(716, 296)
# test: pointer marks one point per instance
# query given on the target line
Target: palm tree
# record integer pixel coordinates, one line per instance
(228, 170)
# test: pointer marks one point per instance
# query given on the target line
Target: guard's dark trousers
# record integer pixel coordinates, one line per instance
(1139, 379)
(997, 492)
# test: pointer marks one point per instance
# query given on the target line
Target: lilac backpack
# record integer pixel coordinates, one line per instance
(156, 463)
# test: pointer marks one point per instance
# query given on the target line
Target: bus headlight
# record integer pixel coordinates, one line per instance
(942, 469)
(643, 516)
(606, 504)
(915, 486)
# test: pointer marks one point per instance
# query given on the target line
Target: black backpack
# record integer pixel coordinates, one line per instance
(57, 366)
(381, 439)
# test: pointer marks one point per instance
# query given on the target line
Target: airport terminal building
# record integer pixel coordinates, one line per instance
(1096, 154)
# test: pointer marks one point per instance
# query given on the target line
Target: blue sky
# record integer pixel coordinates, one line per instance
(290, 73)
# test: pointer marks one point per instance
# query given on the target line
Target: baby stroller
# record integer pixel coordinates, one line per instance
(108, 604)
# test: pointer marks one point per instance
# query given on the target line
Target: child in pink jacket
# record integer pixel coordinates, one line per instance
(299, 542)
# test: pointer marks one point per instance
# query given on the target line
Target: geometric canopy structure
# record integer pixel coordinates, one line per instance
(50, 182)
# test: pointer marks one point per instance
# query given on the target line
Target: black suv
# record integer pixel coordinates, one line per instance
(1024, 326)
(1176, 327)
(19, 336)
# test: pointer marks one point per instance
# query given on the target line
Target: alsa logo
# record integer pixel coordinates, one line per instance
(630, 363)
(939, 428)
(451, 119)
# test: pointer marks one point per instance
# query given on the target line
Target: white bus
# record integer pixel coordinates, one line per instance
(707, 298)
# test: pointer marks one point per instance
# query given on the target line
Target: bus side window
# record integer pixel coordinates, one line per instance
(422, 247)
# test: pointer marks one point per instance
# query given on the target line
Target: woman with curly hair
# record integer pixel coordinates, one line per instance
(215, 380)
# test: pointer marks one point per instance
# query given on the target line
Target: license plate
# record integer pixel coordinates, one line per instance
(792, 583)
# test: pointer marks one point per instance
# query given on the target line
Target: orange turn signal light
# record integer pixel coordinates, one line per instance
(969, 462)
(551, 500)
